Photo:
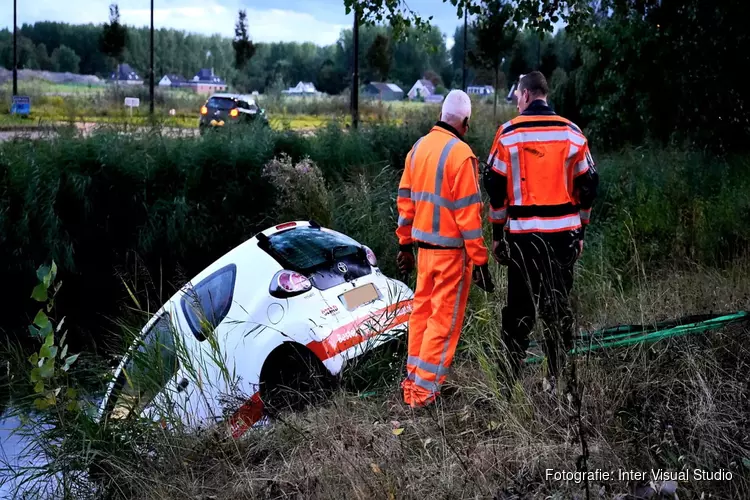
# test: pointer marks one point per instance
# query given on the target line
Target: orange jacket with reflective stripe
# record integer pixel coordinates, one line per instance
(439, 201)
(541, 175)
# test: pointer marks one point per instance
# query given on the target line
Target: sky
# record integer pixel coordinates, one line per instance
(317, 21)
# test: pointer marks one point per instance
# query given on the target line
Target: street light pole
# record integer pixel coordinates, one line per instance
(15, 50)
(151, 71)
(466, 13)
(355, 73)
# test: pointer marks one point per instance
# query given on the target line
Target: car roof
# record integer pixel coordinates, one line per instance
(244, 97)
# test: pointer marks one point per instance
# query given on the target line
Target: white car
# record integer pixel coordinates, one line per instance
(295, 301)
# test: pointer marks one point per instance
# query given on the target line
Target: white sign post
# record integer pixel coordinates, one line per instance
(132, 102)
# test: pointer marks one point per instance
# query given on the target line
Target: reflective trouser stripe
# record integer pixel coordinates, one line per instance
(545, 223)
(402, 221)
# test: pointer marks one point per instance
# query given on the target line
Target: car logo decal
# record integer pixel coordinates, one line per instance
(342, 267)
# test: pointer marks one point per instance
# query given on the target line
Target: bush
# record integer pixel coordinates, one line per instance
(300, 190)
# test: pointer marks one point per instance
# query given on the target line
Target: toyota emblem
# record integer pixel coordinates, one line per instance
(342, 267)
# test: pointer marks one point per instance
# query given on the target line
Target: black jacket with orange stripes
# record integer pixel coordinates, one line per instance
(496, 181)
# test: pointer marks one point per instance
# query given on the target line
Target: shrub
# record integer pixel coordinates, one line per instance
(300, 190)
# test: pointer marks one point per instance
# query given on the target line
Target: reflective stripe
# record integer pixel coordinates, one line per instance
(436, 239)
(426, 384)
(428, 367)
(545, 224)
(439, 183)
(498, 214)
(467, 201)
(404, 193)
(500, 166)
(472, 234)
(581, 167)
(414, 152)
(571, 155)
(515, 165)
(585, 216)
(542, 136)
(432, 198)
(404, 222)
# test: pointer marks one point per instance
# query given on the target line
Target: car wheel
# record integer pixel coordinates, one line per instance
(292, 379)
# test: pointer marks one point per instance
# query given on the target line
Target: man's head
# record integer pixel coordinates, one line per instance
(456, 111)
(531, 87)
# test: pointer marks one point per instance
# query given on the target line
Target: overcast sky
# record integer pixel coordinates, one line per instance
(317, 21)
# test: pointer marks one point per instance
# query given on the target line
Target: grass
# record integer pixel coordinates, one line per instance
(662, 244)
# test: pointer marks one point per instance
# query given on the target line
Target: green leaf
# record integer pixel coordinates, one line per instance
(64, 352)
(40, 293)
(48, 368)
(41, 404)
(46, 331)
(36, 374)
(41, 320)
(49, 339)
(39, 387)
(34, 331)
(53, 270)
(72, 406)
(71, 393)
(34, 359)
(45, 352)
(42, 273)
(69, 361)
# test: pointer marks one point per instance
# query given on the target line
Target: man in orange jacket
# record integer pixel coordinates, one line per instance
(542, 183)
(440, 209)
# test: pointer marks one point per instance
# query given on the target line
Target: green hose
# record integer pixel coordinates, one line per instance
(625, 339)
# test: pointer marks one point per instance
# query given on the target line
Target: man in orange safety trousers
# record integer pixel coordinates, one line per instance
(440, 209)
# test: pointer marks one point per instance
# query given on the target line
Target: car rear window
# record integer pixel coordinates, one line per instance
(222, 103)
(306, 248)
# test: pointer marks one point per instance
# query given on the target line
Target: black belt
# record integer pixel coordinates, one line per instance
(428, 246)
(526, 211)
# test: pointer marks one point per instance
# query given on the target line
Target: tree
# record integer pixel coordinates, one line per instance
(495, 36)
(64, 59)
(114, 36)
(535, 14)
(43, 58)
(379, 56)
(244, 50)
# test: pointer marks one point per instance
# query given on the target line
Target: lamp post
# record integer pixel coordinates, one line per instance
(151, 71)
(15, 50)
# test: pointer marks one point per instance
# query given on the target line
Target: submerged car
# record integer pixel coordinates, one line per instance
(294, 302)
(222, 110)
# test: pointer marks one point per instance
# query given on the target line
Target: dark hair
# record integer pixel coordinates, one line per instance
(535, 83)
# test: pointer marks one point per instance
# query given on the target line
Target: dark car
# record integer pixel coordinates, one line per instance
(222, 110)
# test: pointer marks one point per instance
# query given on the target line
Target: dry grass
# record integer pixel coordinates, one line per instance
(681, 403)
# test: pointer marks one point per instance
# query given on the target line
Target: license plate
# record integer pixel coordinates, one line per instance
(359, 296)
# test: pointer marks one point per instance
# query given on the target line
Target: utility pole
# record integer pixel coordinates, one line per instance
(15, 50)
(151, 71)
(355, 74)
(466, 14)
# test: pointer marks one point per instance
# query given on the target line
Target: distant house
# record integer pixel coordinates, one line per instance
(480, 89)
(421, 90)
(383, 91)
(302, 88)
(206, 82)
(172, 81)
(125, 75)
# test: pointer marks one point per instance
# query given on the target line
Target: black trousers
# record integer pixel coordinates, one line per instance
(540, 279)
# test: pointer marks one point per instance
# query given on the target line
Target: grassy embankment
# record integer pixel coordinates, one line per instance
(668, 238)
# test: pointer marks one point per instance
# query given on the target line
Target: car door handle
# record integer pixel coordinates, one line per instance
(182, 385)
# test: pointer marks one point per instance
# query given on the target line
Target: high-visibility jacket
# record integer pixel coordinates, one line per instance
(541, 175)
(439, 201)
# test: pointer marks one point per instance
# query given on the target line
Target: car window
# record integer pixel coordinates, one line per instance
(150, 367)
(207, 304)
(306, 248)
(222, 103)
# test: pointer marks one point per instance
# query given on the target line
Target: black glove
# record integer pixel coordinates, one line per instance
(500, 250)
(482, 278)
(405, 259)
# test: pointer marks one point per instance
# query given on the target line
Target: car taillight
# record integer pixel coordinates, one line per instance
(204, 110)
(371, 257)
(234, 113)
(289, 283)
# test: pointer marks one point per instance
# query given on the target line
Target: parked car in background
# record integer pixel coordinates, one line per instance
(288, 307)
(222, 110)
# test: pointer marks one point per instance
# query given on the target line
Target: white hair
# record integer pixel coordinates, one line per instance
(456, 107)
